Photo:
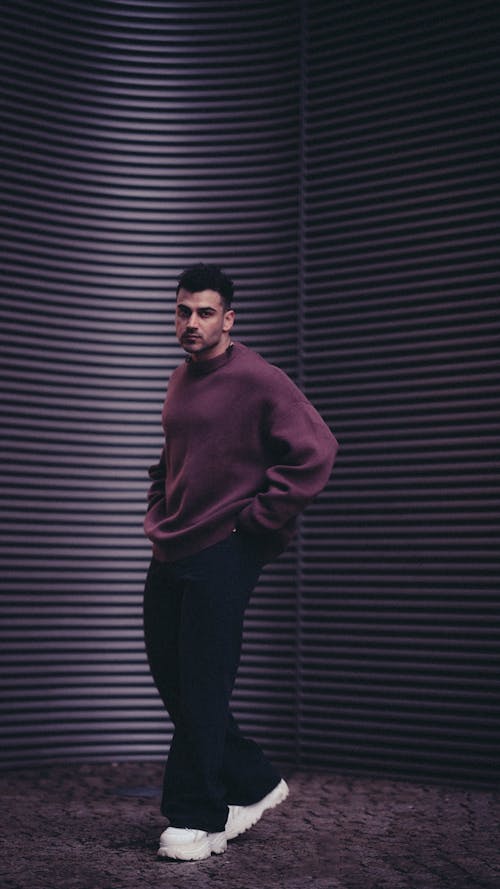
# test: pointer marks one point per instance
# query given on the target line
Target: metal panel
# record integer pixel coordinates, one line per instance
(399, 564)
(139, 137)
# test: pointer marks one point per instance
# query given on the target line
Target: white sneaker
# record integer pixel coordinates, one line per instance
(190, 845)
(240, 818)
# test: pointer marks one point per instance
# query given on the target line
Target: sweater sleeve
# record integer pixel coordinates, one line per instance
(304, 450)
(157, 474)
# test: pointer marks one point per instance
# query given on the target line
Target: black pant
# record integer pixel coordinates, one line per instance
(193, 620)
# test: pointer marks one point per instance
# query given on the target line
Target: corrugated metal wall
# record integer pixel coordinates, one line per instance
(400, 637)
(139, 138)
(340, 160)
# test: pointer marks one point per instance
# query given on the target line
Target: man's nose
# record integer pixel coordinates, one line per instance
(192, 320)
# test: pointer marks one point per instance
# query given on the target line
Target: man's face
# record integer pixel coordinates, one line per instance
(201, 324)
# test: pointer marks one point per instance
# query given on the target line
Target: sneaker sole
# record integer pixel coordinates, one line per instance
(254, 813)
(216, 844)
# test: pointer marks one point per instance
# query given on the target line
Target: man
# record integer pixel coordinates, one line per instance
(244, 453)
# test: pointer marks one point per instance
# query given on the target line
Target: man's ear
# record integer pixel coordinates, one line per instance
(228, 320)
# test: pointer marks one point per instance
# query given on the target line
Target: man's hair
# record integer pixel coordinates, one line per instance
(207, 277)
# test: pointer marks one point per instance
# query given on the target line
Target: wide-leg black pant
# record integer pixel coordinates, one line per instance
(193, 621)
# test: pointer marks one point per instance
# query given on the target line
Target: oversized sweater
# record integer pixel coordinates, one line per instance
(243, 449)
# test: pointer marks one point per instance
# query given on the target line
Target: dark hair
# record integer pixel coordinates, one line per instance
(207, 277)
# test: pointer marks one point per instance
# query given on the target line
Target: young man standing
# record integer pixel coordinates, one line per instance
(244, 453)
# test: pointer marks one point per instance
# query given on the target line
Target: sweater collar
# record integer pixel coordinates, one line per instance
(200, 368)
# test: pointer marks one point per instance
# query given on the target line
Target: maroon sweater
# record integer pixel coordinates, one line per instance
(243, 448)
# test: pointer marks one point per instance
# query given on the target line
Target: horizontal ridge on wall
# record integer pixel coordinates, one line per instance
(139, 138)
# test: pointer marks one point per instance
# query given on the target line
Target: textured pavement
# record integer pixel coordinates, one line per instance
(97, 827)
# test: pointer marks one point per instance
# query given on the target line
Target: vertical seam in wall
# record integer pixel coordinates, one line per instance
(300, 353)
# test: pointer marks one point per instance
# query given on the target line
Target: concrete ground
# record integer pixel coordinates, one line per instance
(97, 826)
